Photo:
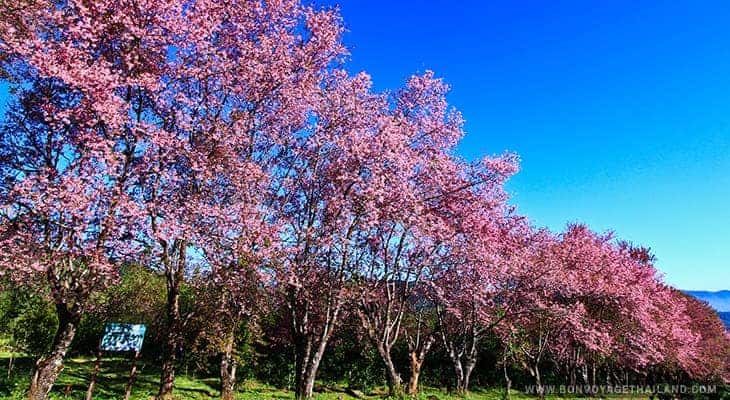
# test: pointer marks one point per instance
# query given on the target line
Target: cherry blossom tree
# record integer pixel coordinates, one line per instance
(556, 286)
(69, 151)
(62, 207)
(420, 328)
(236, 95)
(325, 203)
(711, 361)
(407, 233)
(188, 94)
(471, 282)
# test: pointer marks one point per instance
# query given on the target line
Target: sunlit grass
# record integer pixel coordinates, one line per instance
(114, 376)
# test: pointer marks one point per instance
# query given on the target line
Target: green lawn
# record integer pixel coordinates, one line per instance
(114, 374)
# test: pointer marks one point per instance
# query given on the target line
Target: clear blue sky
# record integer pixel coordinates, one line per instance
(620, 110)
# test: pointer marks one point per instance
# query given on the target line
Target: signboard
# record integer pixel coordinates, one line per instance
(123, 337)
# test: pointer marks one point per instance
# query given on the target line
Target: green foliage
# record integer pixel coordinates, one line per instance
(138, 298)
(28, 322)
(274, 353)
(350, 360)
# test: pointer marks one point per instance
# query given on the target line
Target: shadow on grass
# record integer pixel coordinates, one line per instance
(111, 381)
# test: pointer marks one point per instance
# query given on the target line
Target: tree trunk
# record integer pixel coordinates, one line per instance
(572, 376)
(169, 352)
(459, 373)
(11, 361)
(417, 349)
(538, 382)
(507, 380)
(416, 364)
(94, 374)
(167, 378)
(47, 369)
(228, 368)
(307, 359)
(300, 374)
(307, 365)
(594, 371)
(309, 385)
(462, 371)
(470, 364)
(395, 383)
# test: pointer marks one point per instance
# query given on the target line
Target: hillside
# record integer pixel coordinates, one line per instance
(720, 301)
(725, 317)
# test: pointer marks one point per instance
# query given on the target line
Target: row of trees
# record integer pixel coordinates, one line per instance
(223, 143)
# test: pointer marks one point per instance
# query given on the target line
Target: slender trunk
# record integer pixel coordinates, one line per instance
(47, 369)
(507, 380)
(382, 342)
(228, 368)
(169, 352)
(132, 376)
(307, 364)
(310, 348)
(538, 381)
(309, 385)
(418, 348)
(463, 368)
(395, 383)
(415, 374)
(94, 374)
(468, 369)
(11, 361)
(459, 373)
(594, 371)
(167, 378)
(300, 374)
(572, 376)
(302, 343)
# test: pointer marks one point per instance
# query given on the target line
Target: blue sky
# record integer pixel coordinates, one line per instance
(620, 110)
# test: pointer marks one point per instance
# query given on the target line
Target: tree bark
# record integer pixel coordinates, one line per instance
(94, 374)
(132, 376)
(470, 364)
(169, 353)
(507, 380)
(301, 356)
(459, 373)
(307, 364)
(418, 348)
(167, 378)
(584, 374)
(174, 273)
(47, 369)
(228, 368)
(415, 374)
(309, 344)
(395, 383)
(463, 367)
(383, 332)
(540, 389)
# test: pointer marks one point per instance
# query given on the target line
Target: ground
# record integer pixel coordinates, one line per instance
(114, 374)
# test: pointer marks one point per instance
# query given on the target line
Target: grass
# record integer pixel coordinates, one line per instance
(114, 374)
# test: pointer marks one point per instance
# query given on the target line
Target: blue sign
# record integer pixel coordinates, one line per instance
(123, 337)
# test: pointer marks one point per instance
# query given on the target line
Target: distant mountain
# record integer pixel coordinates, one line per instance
(720, 301)
(725, 317)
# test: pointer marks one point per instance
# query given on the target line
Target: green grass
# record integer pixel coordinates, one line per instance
(6, 349)
(115, 371)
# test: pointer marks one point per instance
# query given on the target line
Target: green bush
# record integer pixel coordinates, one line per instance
(28, 322)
